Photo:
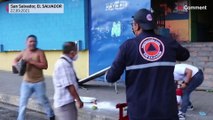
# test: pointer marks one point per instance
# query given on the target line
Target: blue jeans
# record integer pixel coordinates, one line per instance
(27, 89)
(196, 80)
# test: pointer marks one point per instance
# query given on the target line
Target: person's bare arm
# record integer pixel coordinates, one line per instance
(42, 63)
(75, 95)
(17, 58)
(188, 74)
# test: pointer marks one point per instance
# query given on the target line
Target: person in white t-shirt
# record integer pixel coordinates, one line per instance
(65, 84)
(191, 78)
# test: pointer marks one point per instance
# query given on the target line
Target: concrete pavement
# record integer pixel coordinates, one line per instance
(102, 91)
(105, 95)
(9, 112)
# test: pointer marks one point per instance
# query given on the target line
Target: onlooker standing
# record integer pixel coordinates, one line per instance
(33, 80)
(192, 77)
(65, 84)
(149, 61)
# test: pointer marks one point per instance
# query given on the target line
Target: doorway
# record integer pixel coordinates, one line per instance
(201, 21)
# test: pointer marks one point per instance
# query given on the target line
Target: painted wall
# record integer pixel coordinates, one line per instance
(110, 27)
(179, 29)
(51, 29)
(177, 20)
(81, 65)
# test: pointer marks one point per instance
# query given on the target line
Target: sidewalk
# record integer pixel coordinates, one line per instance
(105, 95)
(102, 91)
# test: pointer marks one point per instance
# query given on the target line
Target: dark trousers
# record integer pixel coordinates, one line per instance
(196, 81)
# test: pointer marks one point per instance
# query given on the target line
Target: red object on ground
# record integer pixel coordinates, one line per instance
(179, 91)
(121, 106)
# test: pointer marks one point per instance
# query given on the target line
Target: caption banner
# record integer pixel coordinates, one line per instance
(27, 8)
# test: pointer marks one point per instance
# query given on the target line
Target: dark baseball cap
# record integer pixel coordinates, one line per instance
(144, 17)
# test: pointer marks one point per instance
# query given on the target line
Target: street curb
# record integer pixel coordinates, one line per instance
(34, 106)
(14, 100)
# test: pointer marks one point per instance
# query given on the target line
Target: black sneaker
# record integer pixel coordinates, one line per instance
(181, 116)
(190, 107)
(52, 118)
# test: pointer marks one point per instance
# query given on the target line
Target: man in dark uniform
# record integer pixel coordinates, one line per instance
(149, 61)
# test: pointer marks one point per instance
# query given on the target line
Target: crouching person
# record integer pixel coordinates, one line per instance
(191, 78)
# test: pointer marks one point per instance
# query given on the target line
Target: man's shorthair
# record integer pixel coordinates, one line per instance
(33, 36)
(68, 47)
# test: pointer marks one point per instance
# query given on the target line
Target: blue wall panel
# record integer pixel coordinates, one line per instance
(110, 27)
(51, 29)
